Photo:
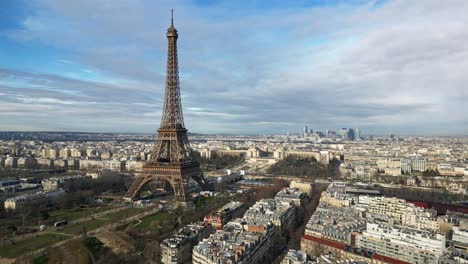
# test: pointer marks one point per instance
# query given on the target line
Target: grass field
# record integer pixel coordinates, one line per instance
(76, 229)
(42, 241)
(73, 214)
(19, 248)
(147, 221)
(117, 216)
(75, 249)
(90, 225)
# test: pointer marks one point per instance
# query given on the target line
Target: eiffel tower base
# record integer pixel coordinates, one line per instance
(127, 199)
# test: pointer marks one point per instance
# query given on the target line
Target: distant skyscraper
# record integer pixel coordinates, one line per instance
(344, 133)
(306, 131)
(351, 134)
(357, 133)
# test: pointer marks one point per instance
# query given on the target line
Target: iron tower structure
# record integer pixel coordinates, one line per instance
(170, 158)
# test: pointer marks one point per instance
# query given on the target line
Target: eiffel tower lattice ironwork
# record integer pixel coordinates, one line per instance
(170, 159)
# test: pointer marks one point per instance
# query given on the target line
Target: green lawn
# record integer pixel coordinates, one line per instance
(90, 225)
(117, 216)
(146, 222)
(19, 248)
(73, 214)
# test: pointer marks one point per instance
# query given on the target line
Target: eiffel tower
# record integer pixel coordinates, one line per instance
(170, 158)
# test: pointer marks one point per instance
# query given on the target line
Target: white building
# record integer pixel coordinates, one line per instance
(20, 202)
(65, 153)
(134, 165)
(295, 257)
(460, 239)
(55, 183)
(403, 212)
(418, 165)
(403, 243)
(27, 162)
(11, 162)
(112, 165)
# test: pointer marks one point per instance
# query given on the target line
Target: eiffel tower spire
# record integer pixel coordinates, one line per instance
(172, 114)
(172, 17)
(172, 144)
(170, 159)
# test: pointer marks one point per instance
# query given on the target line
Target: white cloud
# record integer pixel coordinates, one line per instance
(397, 67)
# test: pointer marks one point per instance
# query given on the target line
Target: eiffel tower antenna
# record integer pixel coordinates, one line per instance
(172, 17)
(170, 159)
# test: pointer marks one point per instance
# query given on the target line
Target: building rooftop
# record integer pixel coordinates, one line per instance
(183, 235)
(290, 193)
(28, 196)
(335, 222)
(295, 256)
(65, 178)
(231, 206)
(269, 209)
(233, 242)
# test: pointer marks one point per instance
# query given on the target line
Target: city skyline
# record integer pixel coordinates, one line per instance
(376, 65)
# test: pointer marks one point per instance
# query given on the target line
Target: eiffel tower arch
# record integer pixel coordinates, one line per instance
(170, 158)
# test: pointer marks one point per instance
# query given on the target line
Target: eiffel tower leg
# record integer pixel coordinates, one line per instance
(181, 194)
(134, 189)
(179, 190)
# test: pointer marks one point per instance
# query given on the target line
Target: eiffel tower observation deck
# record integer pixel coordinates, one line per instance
(170, 158)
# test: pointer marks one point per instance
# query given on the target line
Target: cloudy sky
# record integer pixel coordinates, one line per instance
(395, 66)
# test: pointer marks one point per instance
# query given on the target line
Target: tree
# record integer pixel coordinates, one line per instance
(84, 233)
(152, 251)
(431, 173)
(44, 215)
(308, 168)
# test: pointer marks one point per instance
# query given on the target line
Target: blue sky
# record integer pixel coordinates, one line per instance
(394, 66)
